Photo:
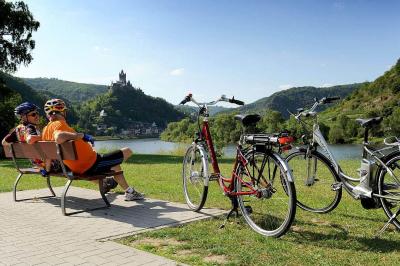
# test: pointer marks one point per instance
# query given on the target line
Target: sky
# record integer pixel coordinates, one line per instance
(247, 49)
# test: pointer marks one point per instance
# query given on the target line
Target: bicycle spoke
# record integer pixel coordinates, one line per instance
(271, 210)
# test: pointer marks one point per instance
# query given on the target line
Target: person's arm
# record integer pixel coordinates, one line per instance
(4, 142)
(63, 136)
(10, 138)
(33, 138)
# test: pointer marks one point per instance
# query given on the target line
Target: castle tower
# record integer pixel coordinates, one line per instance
(122, 77)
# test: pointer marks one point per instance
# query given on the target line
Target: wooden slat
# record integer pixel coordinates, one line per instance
(41, 150)
(23, 150)
(69, 151)
(49, 149)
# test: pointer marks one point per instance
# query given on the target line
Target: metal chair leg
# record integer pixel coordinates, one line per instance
(15, 186)
(49, 185)
(102, 193)
(64, 193)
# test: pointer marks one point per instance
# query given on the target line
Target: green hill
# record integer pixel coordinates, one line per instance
(74, 91)
(378, 98)
(125, 105)
(14, 91)
(26, 92)
(297, 97)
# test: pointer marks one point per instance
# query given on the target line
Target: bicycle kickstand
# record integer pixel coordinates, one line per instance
(234, 209)
(388, 223)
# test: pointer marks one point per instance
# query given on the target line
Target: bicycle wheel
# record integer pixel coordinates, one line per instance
(390, 186)
(313, 179)
(195, 177)
(271, 210)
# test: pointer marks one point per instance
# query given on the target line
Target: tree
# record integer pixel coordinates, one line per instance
(336, 134)
(16, 27)
(271, 122)
(394, 121)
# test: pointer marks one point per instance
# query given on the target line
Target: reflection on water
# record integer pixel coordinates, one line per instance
(156, 146)
(145, 146)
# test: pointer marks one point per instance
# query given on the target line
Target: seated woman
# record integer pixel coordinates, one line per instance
(28, 131)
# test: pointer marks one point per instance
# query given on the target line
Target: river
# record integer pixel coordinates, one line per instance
(157, 146)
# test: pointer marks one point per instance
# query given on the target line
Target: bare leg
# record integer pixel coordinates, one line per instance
(120, 178)
(127, 153)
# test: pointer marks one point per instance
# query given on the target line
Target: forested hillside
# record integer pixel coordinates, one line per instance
(379, 98)
(25, 91)
(73, 91)
(20, 92)
(124, 105)
(297, 97)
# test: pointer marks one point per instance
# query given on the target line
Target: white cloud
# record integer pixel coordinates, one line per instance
(177, 72)
(285, 86)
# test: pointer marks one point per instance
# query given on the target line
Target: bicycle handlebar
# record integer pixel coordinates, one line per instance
(189, 98)
(310, 112)
(233, 100)
(329, 99)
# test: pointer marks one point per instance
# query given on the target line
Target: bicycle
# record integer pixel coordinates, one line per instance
(261, 183)
(319, 184)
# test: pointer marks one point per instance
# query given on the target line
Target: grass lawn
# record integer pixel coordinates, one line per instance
(342, 237)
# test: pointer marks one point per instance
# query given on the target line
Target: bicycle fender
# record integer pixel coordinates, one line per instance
(285, 166)
(204, 159)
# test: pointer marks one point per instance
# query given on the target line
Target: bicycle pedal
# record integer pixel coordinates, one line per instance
(336, 186)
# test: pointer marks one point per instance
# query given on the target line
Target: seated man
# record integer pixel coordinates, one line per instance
(89, 161)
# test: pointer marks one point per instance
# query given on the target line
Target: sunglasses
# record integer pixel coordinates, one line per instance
(34, 114)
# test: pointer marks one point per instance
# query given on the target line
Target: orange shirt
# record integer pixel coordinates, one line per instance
(86, 155)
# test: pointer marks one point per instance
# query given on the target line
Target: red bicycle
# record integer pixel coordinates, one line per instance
(261, 183)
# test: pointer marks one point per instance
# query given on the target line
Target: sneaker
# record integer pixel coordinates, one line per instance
(109, 183)
(133, 196)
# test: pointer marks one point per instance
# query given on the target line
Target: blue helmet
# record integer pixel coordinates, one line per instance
(25, 108)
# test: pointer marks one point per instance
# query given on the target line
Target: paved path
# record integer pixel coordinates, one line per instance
(34, 232)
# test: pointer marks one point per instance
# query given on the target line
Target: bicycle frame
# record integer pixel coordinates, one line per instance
(229, 189)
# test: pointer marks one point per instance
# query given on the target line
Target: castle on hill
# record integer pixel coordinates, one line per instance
(121, 82)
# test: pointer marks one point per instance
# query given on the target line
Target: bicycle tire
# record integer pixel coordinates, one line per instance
(272, 213)
(195, 177)
(314, 194)
(387, 185)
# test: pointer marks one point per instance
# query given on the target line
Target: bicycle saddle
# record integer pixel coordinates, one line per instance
(248, 120)
(369, 122)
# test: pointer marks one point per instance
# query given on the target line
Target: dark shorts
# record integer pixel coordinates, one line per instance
(105, 162)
